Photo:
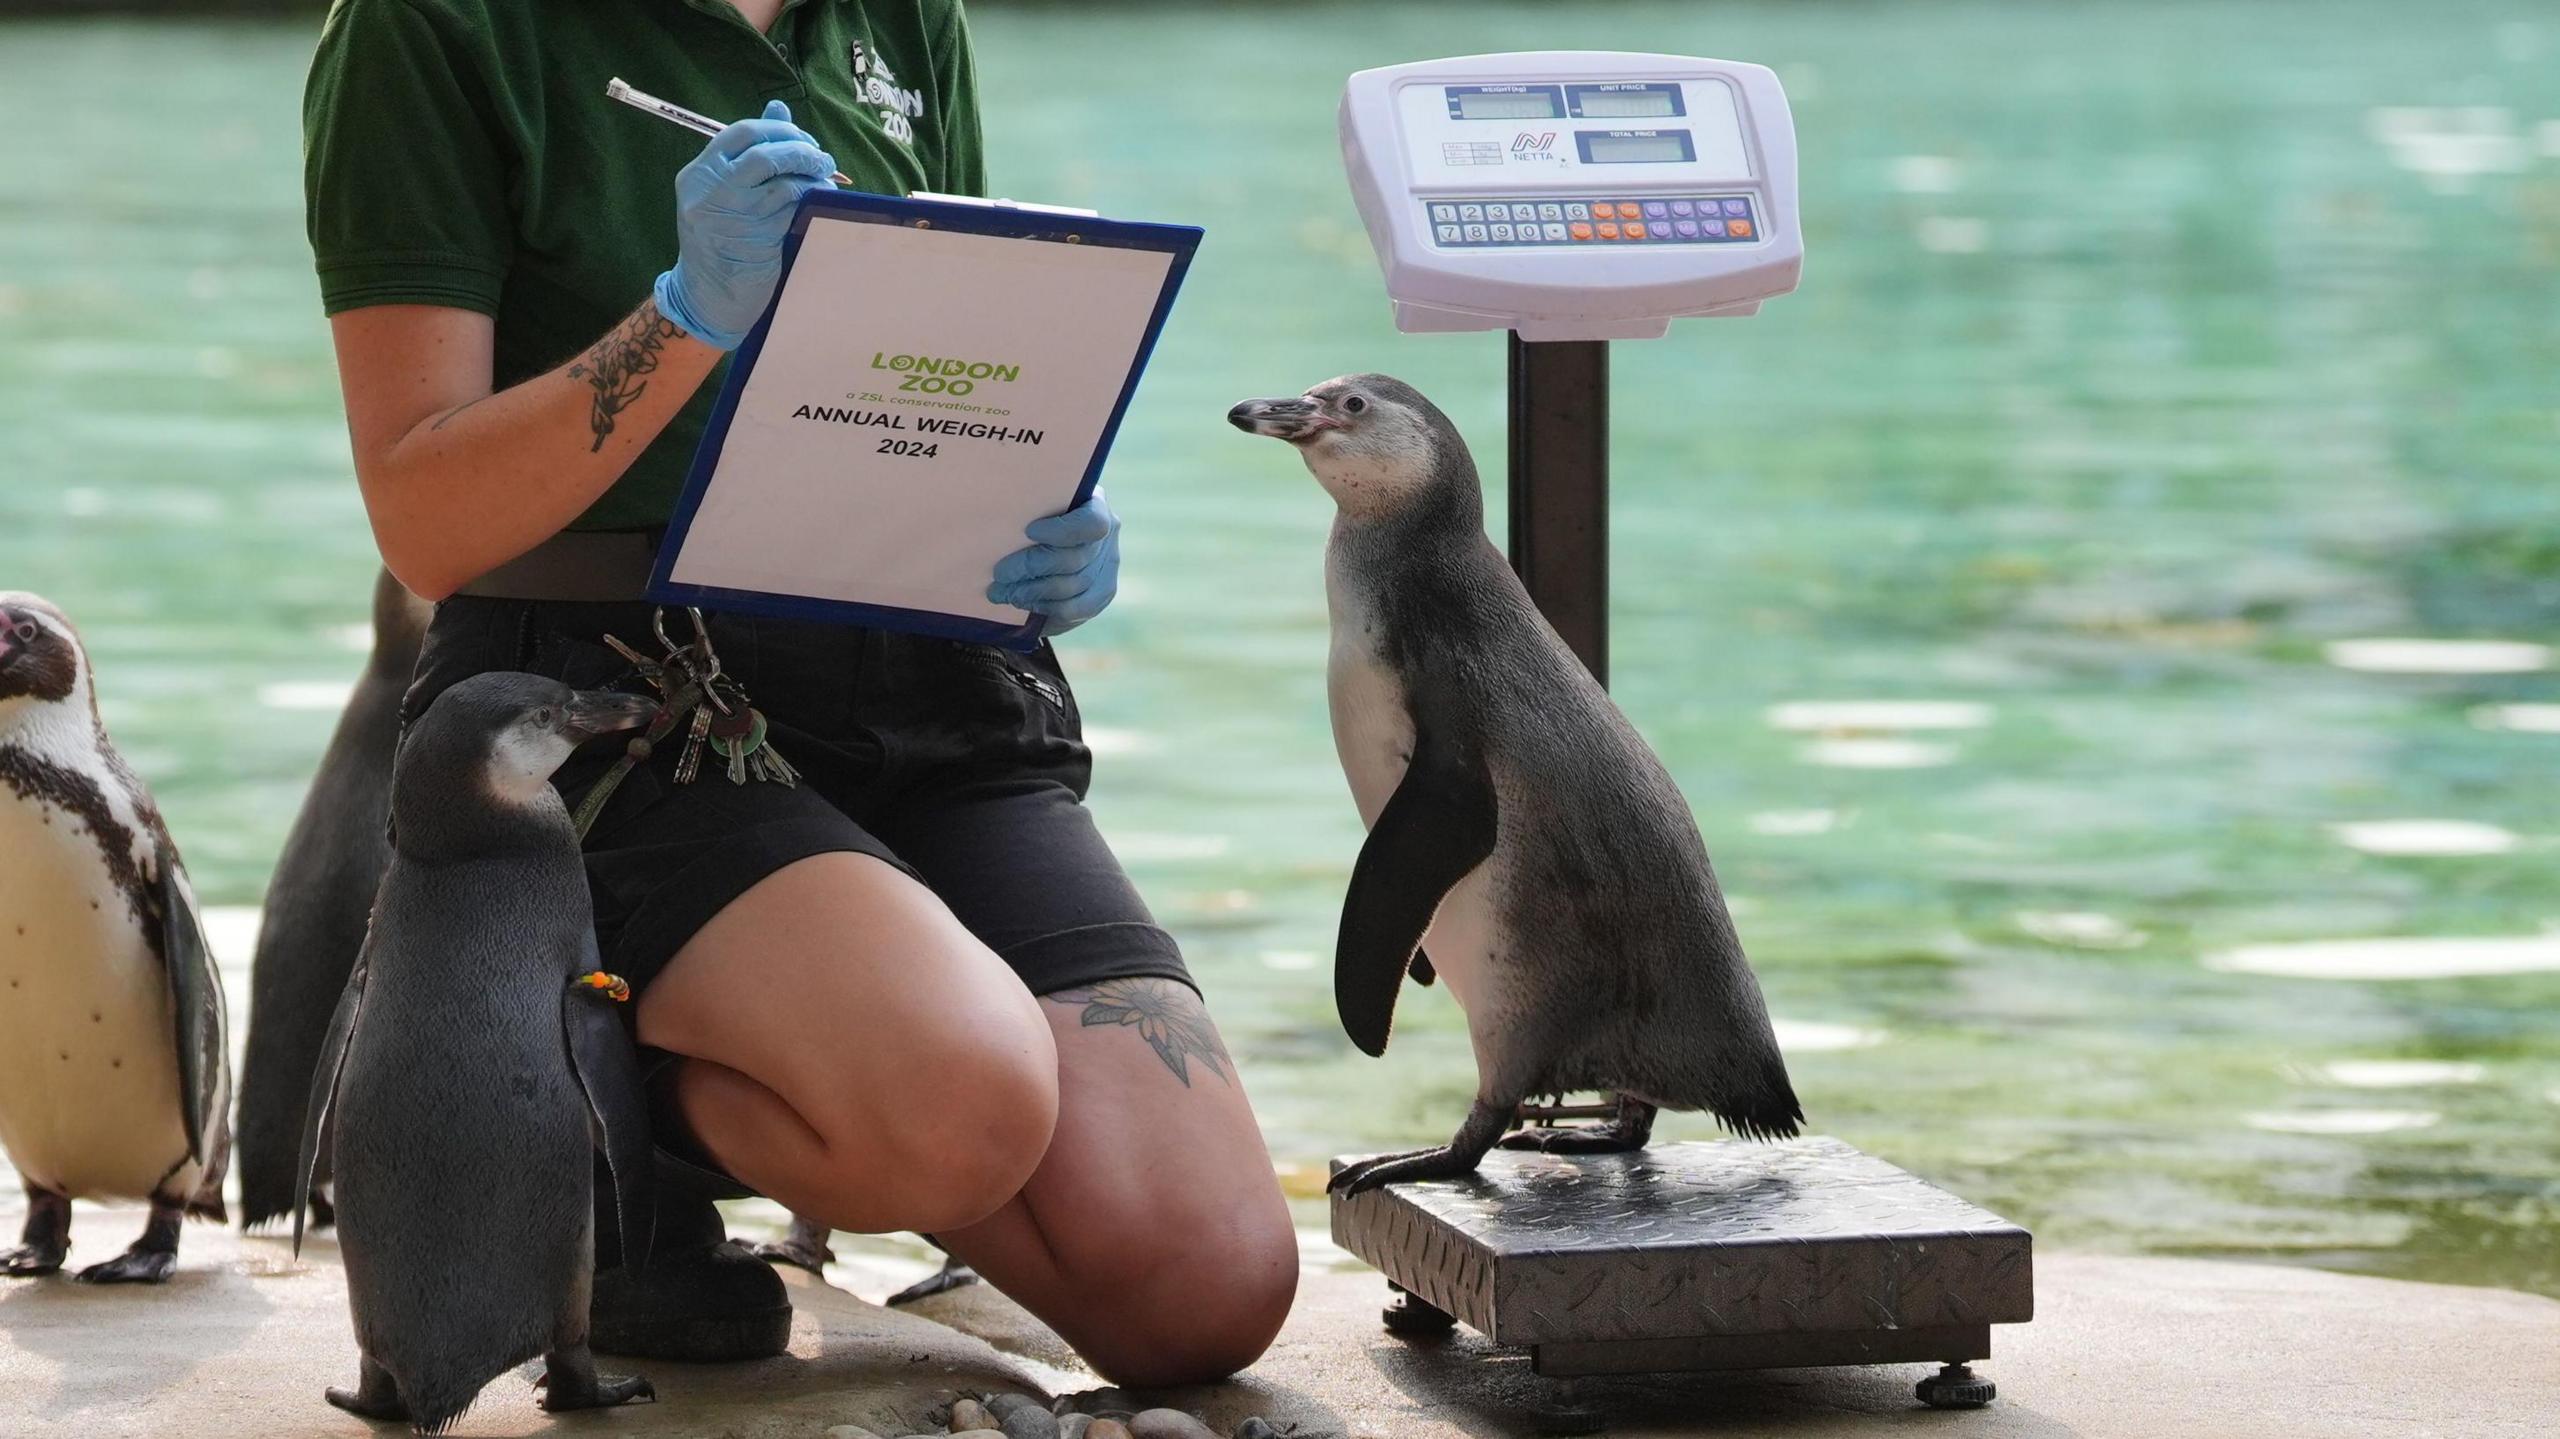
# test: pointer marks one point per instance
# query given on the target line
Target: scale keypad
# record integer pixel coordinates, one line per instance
(1684, 220)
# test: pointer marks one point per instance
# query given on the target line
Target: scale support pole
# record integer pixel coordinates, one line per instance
(1560, 488)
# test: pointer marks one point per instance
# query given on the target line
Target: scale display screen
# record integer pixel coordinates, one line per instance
(1626, 102)
(1494, 102)
(1637, 147)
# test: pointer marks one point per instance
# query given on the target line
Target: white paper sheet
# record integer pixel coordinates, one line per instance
(883, 451)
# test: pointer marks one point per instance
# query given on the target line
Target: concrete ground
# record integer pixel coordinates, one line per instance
(241, 1343)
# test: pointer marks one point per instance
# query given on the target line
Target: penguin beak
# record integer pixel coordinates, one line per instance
(1296, 420)
(601, 712)
(9, 646)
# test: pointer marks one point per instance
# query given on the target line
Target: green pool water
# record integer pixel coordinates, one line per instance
(2145, 351)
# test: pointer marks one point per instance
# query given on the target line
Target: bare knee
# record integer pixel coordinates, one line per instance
(1190, 1307)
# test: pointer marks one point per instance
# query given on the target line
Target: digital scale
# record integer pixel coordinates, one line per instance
(1574, 198)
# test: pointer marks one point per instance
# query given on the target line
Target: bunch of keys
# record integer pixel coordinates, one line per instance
(693, 692)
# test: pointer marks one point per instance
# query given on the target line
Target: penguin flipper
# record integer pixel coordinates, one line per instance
(324, 1093)
(195, 993)
(608, 1069)
(1422, 971)
(1437, 827)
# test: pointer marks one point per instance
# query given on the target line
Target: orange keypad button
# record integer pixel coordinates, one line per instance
(1603, 210)
(1609, 231)
(1636, 230)
(1581, 231)
(1737, 227)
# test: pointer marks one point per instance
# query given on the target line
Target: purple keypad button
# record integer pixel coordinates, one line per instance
(1683, 208)
(1686, 229)
(1737, 207)
(1655, 210)
(1714, 228)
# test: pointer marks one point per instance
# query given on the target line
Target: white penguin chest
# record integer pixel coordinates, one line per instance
(89, 1089)
(1373, 736)
(1372, 727)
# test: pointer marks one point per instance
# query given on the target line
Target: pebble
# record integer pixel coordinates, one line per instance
(1169, 1424)
(1001, 1406)
(1072, 1426)
(850, 1431)
(1106, 1429)
(1256, 1427)
(968, 1414)
(1030, 1421)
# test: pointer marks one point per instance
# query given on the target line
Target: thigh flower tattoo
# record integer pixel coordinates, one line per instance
(1166, 1015)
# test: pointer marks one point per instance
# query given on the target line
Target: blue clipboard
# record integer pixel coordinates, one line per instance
(822, 207)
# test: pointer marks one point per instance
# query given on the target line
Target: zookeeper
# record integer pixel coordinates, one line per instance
(914, 991)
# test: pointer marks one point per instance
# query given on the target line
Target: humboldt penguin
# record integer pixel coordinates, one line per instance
(316, 908)
(115, 1081)
(474, 1065)
(1520, 830)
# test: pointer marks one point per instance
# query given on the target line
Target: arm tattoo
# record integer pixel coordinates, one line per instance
(1165, 1014)
(618, 367)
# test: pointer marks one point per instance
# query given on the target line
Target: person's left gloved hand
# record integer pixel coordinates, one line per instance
(1070, 571)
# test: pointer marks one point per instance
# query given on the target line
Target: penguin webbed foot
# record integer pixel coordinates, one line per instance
(569, 1381)
(135, 1266)
(1485, 1123)
(375, 1396)
(797, 1255)
(1629, 1130)
(952, 1275)
(1385, 1169)
(31, 1261)
(805, 1247)
(150, 1260)
(45, 1239)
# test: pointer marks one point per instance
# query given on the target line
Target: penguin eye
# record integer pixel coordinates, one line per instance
(1355, 405)
(26, 632)
(546, 718)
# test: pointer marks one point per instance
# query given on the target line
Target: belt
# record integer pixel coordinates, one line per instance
(576, 566)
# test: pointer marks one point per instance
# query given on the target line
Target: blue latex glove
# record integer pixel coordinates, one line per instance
(1070, 571)
(734, 204)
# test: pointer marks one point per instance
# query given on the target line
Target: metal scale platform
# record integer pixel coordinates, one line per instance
(1725, 1255)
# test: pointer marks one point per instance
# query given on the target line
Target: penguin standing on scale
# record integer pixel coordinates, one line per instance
(1521, 833)
(114, 1079)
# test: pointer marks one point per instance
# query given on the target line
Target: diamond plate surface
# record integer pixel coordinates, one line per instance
(1690, 1240)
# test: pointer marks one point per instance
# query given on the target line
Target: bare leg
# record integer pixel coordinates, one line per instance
(1154, 1237)
(374, 1397)
(1485, 1123)
(854, 1053)
(46, 1237)
(569, 1381)
(151, 1259)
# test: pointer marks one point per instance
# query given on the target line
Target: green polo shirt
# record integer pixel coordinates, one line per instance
(463, 153)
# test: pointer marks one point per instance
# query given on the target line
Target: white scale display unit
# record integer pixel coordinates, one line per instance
(1575, 195)
(1575, 198)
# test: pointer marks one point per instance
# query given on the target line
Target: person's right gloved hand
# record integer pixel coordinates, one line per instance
(734, 204)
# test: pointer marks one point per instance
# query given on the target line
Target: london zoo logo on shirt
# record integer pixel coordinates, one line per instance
(899, 109)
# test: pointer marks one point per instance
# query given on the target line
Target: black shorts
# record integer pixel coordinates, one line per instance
(962, 765)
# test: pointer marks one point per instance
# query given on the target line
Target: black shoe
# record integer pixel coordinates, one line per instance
(703, 1298)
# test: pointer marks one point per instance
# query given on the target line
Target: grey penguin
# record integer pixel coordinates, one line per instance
(316, 907)
(1520, 830)
(115, 1080)
(473, 1067)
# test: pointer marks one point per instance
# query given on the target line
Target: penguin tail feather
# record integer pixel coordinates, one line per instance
(1770, 1111)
